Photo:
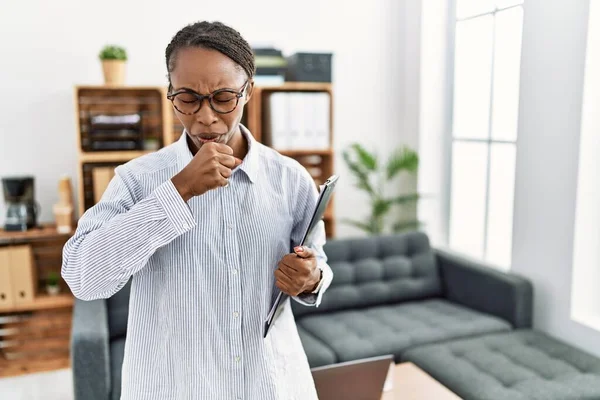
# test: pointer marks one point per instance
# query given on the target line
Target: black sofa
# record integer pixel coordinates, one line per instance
(467, 325)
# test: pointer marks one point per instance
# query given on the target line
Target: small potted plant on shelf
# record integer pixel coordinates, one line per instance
(52, 280)
(113, 64)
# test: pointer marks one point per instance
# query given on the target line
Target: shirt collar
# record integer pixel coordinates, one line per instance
(249, 164)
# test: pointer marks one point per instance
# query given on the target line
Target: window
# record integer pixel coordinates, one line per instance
(487, 55)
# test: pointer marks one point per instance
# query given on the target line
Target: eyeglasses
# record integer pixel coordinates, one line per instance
(222, 101)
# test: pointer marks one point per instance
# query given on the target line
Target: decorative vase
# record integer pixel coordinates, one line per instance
(52, 289)
(114, 72)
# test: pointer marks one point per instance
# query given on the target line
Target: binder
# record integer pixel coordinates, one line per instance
(6, 293)
(326, 190)
(101, 177)
(21, 272)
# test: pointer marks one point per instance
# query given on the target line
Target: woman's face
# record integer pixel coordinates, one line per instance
(205, 71)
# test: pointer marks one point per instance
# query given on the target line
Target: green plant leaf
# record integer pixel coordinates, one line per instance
(367, 160)
(403, 226)
(406, 198)
(381, 207)
(360, 173)
(365, 226)
(52, 278)
(404, 159)
(112, 52)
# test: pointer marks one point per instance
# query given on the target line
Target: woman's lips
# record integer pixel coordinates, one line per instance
(209, 138)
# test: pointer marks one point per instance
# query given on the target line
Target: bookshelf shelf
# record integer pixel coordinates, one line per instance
(298, 153)
(110, 156)
(43, 302)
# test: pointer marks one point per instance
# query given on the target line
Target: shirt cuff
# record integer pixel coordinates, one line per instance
(175, 208)
(314, 299)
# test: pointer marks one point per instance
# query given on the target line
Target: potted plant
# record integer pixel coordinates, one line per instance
(52, 280)
(113, 64)
(372, 176)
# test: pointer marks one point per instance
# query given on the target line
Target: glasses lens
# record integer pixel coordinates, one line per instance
(224, 101)
(186, 102)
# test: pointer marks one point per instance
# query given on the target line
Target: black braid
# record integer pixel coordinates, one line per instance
(216, 36)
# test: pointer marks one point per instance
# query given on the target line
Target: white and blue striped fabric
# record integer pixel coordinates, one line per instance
(202, 273)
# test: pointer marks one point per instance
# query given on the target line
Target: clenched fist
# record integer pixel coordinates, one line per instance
(297, 272)
(209, 169)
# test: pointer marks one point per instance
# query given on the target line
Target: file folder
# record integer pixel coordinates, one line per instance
(326, 191)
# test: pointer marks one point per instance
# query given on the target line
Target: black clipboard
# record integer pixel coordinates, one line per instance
(326, 190)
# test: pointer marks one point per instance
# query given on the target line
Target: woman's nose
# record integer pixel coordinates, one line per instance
(206, 115)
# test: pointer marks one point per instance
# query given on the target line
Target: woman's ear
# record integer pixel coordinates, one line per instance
(249, 91)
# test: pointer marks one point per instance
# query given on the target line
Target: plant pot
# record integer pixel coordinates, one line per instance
(114, 72)
(52, 290)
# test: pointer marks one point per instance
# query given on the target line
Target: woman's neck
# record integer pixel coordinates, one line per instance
(239, 144)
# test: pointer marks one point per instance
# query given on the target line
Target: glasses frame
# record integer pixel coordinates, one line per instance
(210, 96)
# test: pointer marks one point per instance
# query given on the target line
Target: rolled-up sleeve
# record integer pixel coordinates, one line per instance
(115, 238)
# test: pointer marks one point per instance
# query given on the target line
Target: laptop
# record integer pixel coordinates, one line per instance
(353, 380)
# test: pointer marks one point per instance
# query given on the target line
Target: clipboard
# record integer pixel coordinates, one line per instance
(326, 190)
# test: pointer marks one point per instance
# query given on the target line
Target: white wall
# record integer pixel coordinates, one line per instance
(434, 110)
(554, 43)
(585, 296)
(48, 47)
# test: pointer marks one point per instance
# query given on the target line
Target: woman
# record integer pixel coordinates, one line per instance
(205, 228)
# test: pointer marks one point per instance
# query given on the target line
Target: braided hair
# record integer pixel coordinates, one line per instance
(216, 36)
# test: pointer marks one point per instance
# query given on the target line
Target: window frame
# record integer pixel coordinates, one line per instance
(453, 21)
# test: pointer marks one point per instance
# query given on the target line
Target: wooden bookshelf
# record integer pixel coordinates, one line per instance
(318, 162)
(34, 326)
(153, 130)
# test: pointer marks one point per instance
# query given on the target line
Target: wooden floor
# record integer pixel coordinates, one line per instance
(54, 385)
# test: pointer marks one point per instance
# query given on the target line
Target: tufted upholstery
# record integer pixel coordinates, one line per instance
(378, 270)
(518, 365)
(318, 353)
(391, 329)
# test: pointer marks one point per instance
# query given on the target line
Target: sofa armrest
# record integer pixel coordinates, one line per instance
(90, 355)
(486, 289)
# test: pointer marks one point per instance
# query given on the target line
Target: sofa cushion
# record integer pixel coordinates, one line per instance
(117, 307)
(378, 270)
(117, 353)
(518, 365)
(317, 352)
(392, 329)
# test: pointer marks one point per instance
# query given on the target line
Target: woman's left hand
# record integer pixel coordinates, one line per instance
(297, 272)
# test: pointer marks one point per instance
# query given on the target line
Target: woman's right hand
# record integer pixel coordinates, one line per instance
(209, 169)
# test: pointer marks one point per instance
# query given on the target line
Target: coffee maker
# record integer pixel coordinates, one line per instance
(21, 208)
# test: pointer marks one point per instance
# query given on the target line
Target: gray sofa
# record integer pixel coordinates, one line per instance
(467, 325)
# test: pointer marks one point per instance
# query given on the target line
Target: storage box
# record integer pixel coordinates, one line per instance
(309, 67)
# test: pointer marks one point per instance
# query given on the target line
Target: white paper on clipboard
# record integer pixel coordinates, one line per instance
(325, 192)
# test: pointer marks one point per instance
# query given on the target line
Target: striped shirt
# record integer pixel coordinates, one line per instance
(203, 279)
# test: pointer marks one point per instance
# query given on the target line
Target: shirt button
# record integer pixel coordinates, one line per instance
(236, 314)
(185, 226)
(234, 271)
(238, 359)
(230, 226)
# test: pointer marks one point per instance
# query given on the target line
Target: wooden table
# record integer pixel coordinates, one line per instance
(412, 383)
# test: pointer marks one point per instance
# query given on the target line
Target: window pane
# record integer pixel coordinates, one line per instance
(472, 77)
(507, 3)
(500, 211)
(467, 207)
(469, 8)
(507, 63)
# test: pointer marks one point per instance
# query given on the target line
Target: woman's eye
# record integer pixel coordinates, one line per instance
(224, 97)
(186, 98)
